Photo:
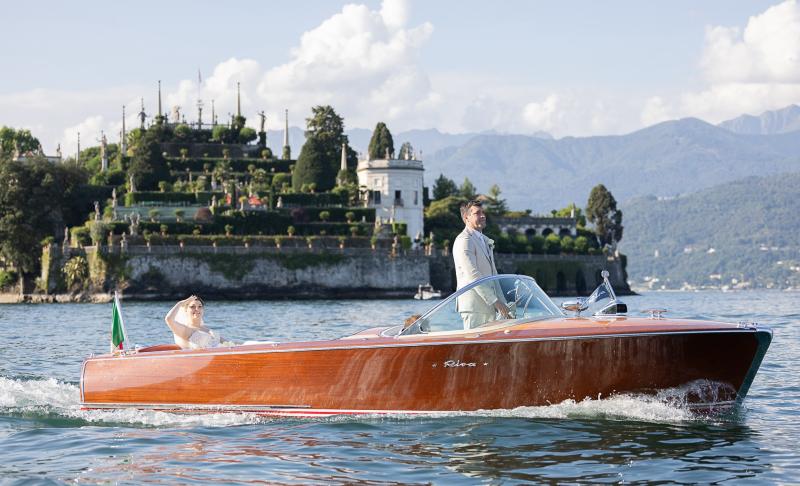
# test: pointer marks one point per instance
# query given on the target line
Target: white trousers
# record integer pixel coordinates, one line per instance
(476, 319)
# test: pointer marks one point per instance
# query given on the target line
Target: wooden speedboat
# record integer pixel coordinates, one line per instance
(539, 356)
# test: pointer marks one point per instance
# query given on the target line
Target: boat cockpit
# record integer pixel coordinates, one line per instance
(503, 300)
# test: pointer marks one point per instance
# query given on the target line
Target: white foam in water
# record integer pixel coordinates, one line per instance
(49, 396)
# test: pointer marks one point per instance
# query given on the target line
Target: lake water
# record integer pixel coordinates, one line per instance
(44, 436)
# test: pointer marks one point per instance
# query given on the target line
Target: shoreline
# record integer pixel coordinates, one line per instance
(311, 294)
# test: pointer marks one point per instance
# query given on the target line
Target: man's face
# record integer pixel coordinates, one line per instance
(475, 218)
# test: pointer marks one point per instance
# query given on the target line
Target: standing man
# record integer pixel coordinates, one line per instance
(473, 254)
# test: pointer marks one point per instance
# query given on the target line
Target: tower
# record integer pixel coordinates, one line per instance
(287, 151)
(238, 100)
(123, 138)
(160, 114)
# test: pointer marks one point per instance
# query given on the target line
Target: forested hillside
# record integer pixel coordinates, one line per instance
(743, 231)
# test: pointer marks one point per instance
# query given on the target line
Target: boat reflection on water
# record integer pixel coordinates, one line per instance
(445, 361)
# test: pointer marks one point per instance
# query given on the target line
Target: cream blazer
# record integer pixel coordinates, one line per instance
(473, 261)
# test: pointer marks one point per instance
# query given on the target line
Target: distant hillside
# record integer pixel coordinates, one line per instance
(744, 230)
(671, 158)
(768, 123)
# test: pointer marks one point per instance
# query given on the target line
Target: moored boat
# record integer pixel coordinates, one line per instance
(537, 356)
(427, 292)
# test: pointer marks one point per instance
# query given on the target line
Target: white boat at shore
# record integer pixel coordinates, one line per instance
(427, 292)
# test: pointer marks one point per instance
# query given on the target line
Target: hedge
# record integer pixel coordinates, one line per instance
(201, 197)
(311, 200)
(337, 215)
(342, 229)
(235, 165)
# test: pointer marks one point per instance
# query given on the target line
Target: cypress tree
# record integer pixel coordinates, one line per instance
(313, 168)
(381, 140)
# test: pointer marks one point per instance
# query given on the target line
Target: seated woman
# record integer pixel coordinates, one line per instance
(185, 320)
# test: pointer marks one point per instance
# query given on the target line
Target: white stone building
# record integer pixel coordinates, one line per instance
(394, 188)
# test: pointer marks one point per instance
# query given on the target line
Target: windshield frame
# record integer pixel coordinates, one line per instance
(414, 328)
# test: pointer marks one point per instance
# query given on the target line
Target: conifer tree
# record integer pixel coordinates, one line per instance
(602, 212)
(381, 142)
(319, 160)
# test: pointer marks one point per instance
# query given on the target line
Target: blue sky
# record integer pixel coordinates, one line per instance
(568, 68)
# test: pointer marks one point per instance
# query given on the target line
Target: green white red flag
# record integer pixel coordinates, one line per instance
(118, 336)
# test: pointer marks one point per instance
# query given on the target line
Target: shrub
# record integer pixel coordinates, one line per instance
(290, 231)
(183, 131)
(567, 244)
(98, 231)
(247, 135)
(228, 229)
(80, 236)
(75, 270)
(552, 244)
(7, 278)
(537, 244)
(220, 133)
(350, 216)
(581, 244)
(324, 216)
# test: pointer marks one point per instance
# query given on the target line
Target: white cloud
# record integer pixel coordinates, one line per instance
(363, 62)
(748, 70)
(544, 115)
(89, 130)
(655, 111)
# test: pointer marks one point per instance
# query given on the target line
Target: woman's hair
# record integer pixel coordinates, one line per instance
(197, 299)
(182, 316)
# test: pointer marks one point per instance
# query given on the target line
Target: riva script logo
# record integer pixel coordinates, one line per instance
(457, 363)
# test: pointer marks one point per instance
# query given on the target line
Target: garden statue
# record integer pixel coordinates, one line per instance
(58, 151)
(142, 116)
(134, 226)
(213, 201)
(133, 187)
(280, 202)
(176, 114)
(96, 211)
(66, 237)
(263, 120)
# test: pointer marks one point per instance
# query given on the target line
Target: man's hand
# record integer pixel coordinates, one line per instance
(502, 309)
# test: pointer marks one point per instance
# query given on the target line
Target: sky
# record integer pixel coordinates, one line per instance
(569, 68)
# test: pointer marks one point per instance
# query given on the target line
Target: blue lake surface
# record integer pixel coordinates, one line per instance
(45, 437)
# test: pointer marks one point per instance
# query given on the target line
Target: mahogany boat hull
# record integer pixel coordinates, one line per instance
(527, 366)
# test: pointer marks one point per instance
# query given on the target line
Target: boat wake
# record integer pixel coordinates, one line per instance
(49, 398)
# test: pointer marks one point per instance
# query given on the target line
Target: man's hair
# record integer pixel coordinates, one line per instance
(465, 207)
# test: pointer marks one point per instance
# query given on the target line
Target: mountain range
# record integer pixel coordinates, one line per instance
(768, 123)
(540, 173)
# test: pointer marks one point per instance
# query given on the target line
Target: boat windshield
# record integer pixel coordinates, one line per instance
(487, 301)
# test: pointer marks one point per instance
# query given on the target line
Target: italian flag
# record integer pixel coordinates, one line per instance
(118, 336)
